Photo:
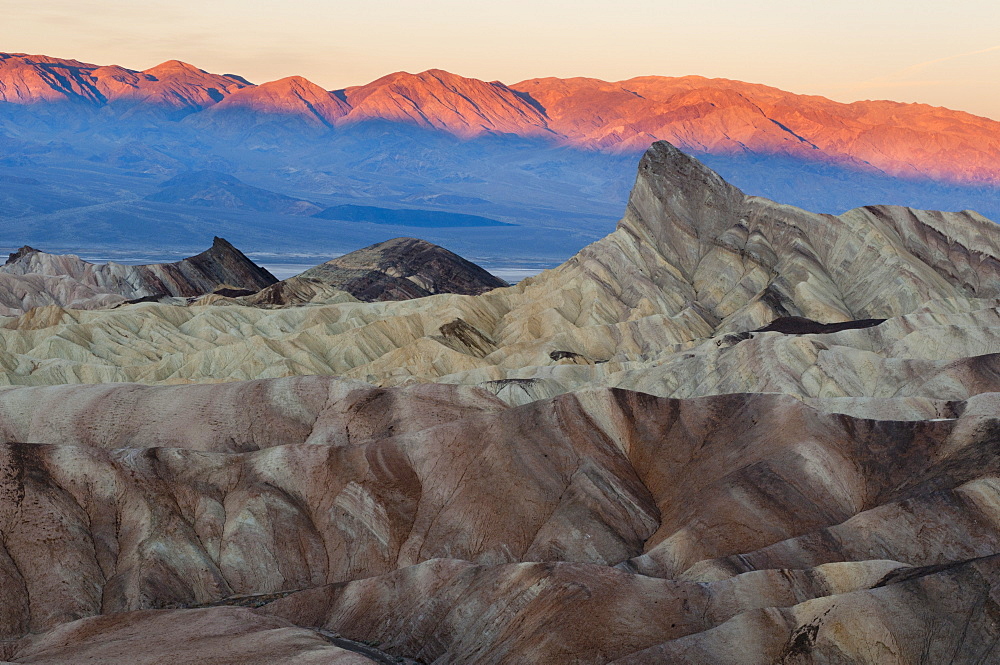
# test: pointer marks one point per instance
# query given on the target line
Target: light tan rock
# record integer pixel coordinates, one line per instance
(692, 259)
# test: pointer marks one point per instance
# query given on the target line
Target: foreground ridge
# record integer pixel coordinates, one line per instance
(625, 502)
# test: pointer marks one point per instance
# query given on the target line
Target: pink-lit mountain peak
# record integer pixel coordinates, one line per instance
(293, 97)
(173, 67)
(188, 74)
(438, 99)
(693, 112)
(30, 79)
(293, 86)
(170, 87)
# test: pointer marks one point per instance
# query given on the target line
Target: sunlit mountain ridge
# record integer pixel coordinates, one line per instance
(693, 112)
(554, 157)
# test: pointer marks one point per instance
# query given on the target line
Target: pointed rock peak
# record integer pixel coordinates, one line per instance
(228, 265)
(675, 194)
(293, 83)
(223, 245)
(664, 161)
(24, 251)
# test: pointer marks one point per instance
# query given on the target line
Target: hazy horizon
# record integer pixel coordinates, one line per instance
(850, 51)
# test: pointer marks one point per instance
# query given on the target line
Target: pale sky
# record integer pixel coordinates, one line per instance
(946, 54)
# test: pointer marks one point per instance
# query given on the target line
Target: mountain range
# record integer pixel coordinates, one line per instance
(696, 114)
(86, 145)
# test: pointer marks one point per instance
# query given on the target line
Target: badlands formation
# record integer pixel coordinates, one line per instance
(31, 278)
(655, 453)
(397, 269)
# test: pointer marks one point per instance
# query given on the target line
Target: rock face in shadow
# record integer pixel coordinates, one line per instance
(797, 325)
(32, 278)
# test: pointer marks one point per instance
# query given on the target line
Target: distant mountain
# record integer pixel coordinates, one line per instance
(218, 190)
(172, 88)
(715, 116)
(439, 100)
(554, 156)
(719, 116)
(293, 99)
(405, 217)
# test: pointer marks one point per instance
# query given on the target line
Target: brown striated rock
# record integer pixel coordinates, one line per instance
(431, 520)
(222, 636)
(541, 613)
(931, 615)
(353, 496)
